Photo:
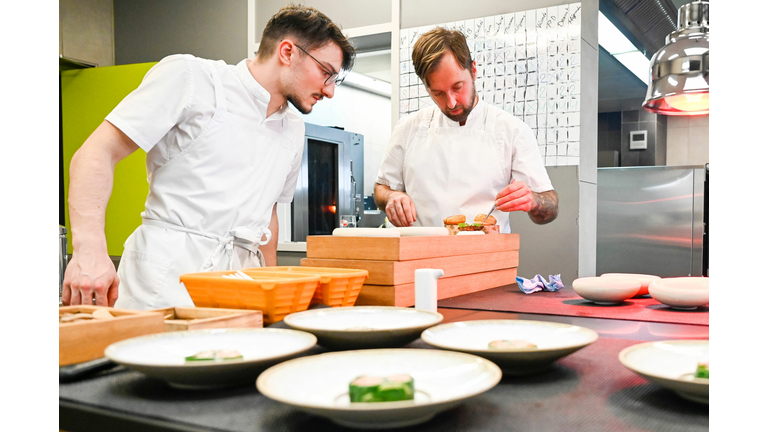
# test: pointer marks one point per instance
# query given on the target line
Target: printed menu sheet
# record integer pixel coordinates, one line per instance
(528, 64)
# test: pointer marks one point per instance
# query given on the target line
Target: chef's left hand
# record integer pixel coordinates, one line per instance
(517, 196)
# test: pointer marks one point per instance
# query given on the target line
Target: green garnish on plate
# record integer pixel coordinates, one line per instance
(702, 371)
(214, 355)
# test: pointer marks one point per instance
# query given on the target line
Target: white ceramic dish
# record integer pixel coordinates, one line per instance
(163, 355)
(360, 327)
(606, 290)
(470, 233)
(365, 232)
(644, 279)
(553, 341)
(671, 364)
(320, 384)
(422, 231)
(686, 293)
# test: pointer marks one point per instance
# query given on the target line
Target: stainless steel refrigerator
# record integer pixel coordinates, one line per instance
(653, 220)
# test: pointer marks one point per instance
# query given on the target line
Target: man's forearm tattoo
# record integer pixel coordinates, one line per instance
(546, 207)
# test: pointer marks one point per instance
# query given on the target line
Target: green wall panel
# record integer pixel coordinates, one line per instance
(87, 96)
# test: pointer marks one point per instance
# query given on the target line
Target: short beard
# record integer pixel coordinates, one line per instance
(294, 101)
(462, 117)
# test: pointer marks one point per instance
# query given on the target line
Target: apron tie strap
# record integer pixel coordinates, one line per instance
(248, 238)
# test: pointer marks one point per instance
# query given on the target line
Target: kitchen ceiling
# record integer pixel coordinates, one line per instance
(646, 23)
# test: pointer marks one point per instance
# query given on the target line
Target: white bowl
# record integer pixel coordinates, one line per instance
(671, 364)
(606, 290)
(553, 341)
(163, 355)
(644, 279)
(361, 327)
(320, 384)
(686, 293)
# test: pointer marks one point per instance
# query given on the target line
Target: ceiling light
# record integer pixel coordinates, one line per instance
(613, 40)
(679, 72)
(368, 83)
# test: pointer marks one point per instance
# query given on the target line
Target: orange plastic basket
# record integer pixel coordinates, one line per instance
(274, 296)
(338, 286)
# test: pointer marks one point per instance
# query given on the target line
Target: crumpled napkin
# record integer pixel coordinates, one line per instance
(538, 283)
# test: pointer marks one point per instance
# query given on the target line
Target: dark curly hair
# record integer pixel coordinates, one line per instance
(309, 28)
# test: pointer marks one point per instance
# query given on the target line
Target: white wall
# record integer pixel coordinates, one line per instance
(687, 140)
(360, 112)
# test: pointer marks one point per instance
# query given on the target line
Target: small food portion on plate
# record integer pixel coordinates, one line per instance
(393, 388)
(214, 355)
(458, 223)
(702, 370)
(510, 344)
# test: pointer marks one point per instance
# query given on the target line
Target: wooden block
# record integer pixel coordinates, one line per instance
(403, 295)
(408, 248)
(402, 272)
(86, 340)
(193, 318)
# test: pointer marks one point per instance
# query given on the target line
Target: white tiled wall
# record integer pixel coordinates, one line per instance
(687, 140)
(360, 112)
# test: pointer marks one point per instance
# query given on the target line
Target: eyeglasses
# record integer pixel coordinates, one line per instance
(333, 77)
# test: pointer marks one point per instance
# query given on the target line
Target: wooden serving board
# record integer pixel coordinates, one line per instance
(86, 340)
(193, 318)
(408, 248)
(402, 272)
(404, 296)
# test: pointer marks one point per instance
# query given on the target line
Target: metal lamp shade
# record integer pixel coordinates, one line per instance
(679, 71)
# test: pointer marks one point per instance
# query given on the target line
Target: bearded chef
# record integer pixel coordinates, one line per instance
(462, 155)
(223, 148)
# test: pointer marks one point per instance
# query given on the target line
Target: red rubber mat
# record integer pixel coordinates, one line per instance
(566, 302)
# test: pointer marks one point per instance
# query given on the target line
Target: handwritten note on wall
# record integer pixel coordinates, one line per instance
(528, 64)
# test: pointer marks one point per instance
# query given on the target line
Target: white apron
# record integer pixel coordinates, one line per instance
(454, 170)
(207, 209)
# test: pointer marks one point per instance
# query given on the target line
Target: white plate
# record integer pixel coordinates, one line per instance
(686, 293)
(671, 364)
(553, 341)
(359, 327)
(644, 279)
(365, 232)
(422, 231)
(606, 290)
(162, 355)
(320, 384)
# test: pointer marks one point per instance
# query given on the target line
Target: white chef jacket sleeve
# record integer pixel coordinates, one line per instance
(391, 168)
(297, 131)
(157, 105)
(522, 148)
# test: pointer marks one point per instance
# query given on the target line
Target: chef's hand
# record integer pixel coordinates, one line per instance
(400, 209)
(517, 196)
(88, 277)
(541, 207)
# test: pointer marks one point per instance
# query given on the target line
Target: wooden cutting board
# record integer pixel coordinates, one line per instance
(408, 248)
(404, 295)
(402, 272)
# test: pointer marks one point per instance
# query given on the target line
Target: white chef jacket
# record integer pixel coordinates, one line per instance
(176, 101)
(216, 166)
(515, 144)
